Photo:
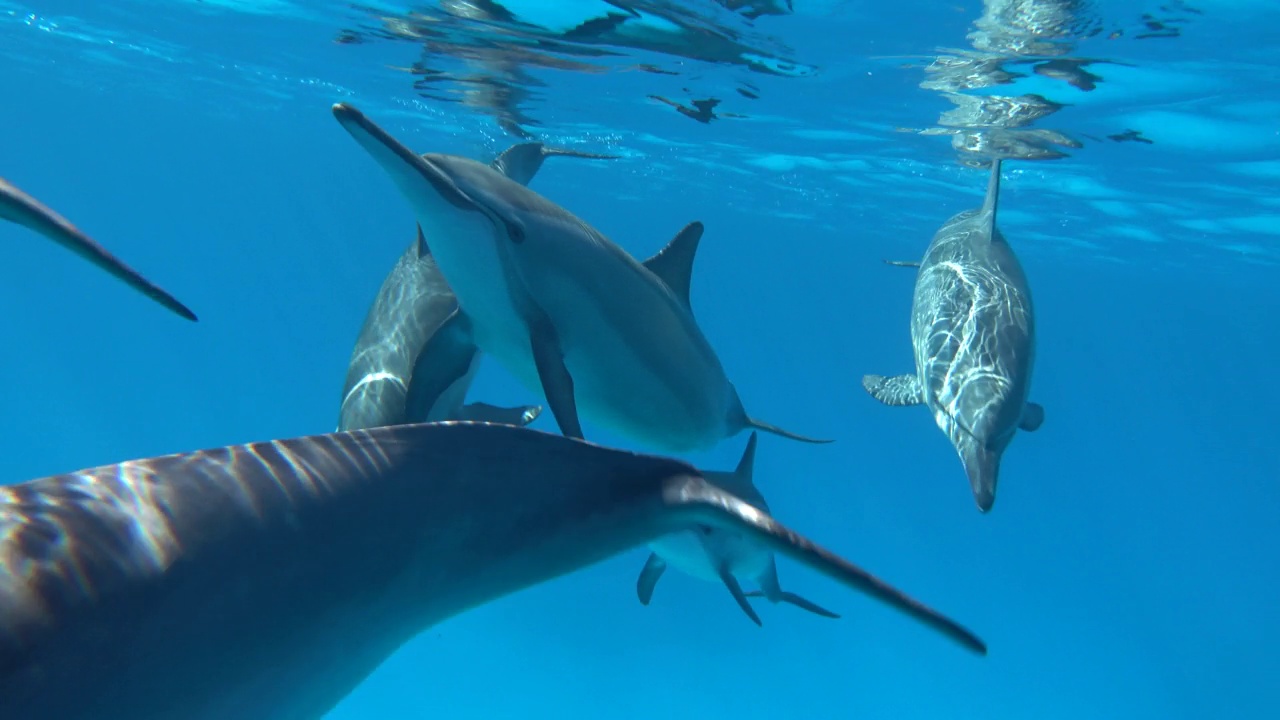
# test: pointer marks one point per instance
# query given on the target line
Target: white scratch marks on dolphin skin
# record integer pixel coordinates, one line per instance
(375, 377)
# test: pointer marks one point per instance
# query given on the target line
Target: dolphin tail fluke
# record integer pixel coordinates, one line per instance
(19, 207)
(1032, 417)
(902, 263)
(898, 390)
(710, 505)
(518, 416)
(759, 425)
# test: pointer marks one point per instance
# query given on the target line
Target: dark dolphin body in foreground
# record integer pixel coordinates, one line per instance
(18, 207)
(973, 333)
(395, 345)
(269, 579)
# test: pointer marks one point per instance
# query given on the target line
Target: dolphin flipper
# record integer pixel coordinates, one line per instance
(735, 589)
(518, 416)
(710, 505)
(649, 576)
(19, 207)
(445, 358)
(897, 390)
(522, 161)
(771, 590)
(557, 383)
(1032, 417)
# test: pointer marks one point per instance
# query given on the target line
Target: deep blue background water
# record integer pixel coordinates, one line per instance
(1129, 568)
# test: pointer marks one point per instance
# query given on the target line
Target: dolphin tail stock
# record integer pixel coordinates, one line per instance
(19, 207)
(898, 390)
(709, 505)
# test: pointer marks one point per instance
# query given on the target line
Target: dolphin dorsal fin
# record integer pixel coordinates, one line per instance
(673, 264)
(521, 161)
(746, 466)
(992, 199)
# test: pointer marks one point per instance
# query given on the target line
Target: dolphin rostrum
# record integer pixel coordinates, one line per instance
(269, 579)
(973, 333)
(721, 555)
(561, 306)
(19, 207)
(412, 304)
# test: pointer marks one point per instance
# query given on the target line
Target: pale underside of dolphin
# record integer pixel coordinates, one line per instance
(19, 207)
(973, 336)
(412, 304)
(724, 555)
(269, 579)
(562, 307)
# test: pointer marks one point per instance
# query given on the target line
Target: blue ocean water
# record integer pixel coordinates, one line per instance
(1129, 568)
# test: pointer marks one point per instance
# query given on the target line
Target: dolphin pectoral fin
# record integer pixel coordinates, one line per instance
(704, 503)
(771, 590)
(901, 263)
(445, 358)
(735, 589)
(18, 207)
(1032, 417)
(649, 576)
(518, 416)
(898, 390)
(557, 384)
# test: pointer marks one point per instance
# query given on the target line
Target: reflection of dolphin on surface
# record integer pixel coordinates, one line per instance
(19, 207)
(562, 307)
(269, 579)
(973, 333)
(412, 305)
(723, 555)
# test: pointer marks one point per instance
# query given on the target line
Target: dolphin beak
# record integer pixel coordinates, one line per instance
(407, 169)
(982, 465)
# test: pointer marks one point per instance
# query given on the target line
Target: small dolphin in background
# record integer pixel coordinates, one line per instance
(562, 307)
(269, 579)
(411, 307)
(973, 333)
(721, 555)
(19, 207)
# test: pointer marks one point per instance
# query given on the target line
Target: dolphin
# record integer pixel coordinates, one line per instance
(722, 555)
(18, 207)
(412, 304)
(562, 307)
(269, 579)
(973, 333)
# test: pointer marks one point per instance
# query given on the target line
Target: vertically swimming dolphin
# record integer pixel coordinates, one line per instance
(19, 207)
(562, 307)
(412, 304)
(269, 579)
(973, 332)
(721, 555)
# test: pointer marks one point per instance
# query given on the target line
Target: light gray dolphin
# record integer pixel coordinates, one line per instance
(412, 304)
(721, 555)
(19, 207)
(562, 307)
(973, 332)
(269, 579)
